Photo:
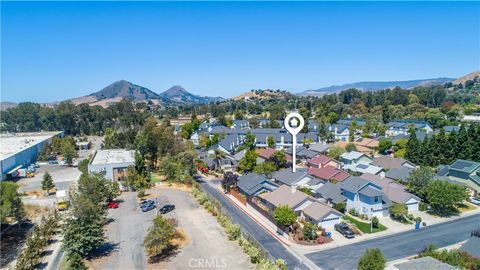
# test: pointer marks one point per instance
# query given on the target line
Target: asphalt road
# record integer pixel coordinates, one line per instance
(267, 241)
(399, 245)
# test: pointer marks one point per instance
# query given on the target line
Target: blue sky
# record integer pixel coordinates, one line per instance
(57, 50)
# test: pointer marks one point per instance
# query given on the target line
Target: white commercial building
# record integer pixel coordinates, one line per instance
(18, 150)
(112, 163)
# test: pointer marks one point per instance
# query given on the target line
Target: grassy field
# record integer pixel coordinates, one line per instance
(362, 226)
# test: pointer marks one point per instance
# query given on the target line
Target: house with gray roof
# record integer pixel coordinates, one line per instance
(289, 178)
(320, 148)
(321, 215)
(340, 132)
(230, 143)
(424, 263)
(330, 194)
(240, 124)
(365, 197)
(389, 162)
(394, 191)
(254, 184)
(285, 195)
(303, 153)
(465, 172)
(399, 174)
(402, 126)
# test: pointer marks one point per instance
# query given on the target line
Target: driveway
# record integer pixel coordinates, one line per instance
(63, 177)
(207, 243)
(398, 245)
(125, 233)
(208, 246)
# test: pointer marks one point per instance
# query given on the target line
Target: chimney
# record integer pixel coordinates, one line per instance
(382, 175)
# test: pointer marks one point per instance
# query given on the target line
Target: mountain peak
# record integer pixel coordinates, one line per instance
(125, 89)
(175, 91)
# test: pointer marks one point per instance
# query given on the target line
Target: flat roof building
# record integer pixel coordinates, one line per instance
(112, 163)
(18, 150)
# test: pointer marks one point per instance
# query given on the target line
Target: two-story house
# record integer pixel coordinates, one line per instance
(365, 197)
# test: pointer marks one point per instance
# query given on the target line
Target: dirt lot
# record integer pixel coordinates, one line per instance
(207, 245)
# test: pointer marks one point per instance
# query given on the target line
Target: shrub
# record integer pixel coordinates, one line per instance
(352, 212)
(418, 219)
(141, 193)
(310, 231)
(422, 206)
(372, 260)
(375, 222)
(340, 207)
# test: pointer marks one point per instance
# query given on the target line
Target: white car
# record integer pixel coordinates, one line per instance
(475, 200)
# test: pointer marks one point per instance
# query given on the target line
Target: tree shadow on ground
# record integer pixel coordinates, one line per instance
(13, 239)
(445, 212)
(105, 250)
(169, 253)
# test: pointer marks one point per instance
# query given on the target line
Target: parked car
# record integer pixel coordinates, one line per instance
(344, 230)
(146, 202)
(166, 208)
(475, 201)
(112, 205)
(148, 207)
(62, 205)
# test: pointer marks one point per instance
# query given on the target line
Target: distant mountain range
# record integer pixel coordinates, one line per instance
(375, 86)
(177, 95)
(119, 90)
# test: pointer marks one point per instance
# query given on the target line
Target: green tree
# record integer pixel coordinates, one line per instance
(83, 165)
(419, 179)
(271, 141)
(248, 162)
(375, 222)
(249, 141)
(350, 147)
(284, 215)
(47, 182)
(351, 131)
(372, 259)
(335, 152)
(159, 237)
(11, 204)
(413, 150)
(442, 196)
(75, 262)
(279, 159)
(265, 168)
(68, 150)
(384, 145)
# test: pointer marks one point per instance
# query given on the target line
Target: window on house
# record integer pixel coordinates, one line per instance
(364, 209)
(376, 199)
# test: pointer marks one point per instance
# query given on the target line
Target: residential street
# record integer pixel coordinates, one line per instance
(268, 242)
(399, 245)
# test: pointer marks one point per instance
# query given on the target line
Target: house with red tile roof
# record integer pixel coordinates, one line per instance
(322, 161)
(328, 173)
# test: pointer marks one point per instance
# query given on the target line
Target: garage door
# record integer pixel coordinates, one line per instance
(329, 223)
(412, 206)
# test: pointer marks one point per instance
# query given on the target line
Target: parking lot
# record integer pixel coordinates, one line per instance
(207, 243)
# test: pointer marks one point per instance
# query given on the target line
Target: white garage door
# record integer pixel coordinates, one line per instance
(412, 206)
(329, 223)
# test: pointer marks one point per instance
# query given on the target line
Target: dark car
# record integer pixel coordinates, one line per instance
(344, 230)
(148, 207)
(166, 208)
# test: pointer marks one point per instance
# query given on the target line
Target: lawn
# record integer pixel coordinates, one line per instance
(465, 207)
(362, 226)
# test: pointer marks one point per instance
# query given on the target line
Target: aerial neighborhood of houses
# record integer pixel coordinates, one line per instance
(359, 191)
